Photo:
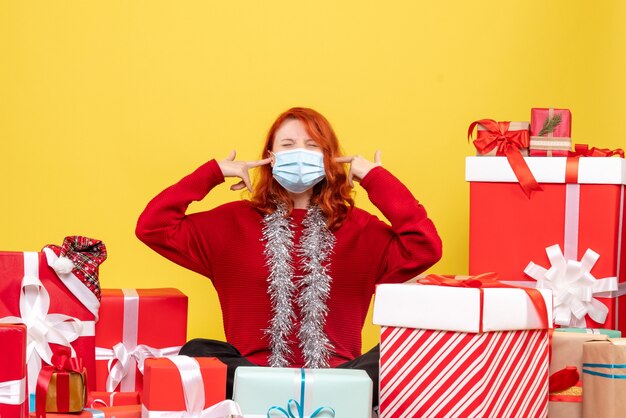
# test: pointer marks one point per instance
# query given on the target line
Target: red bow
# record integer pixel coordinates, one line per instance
(62, 364)
(508, 143)
(488, 280)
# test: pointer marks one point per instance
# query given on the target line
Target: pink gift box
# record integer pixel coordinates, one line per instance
(546, 141)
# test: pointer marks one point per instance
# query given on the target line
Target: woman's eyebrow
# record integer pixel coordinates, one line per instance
(286, 139)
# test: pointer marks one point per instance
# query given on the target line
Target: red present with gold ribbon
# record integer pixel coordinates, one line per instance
(13, 391)
(46, 293)
(568, 237)
(566, 367)
(550, 132)
(472, 347)
(509, 139)
(61, 387)
(136, 324)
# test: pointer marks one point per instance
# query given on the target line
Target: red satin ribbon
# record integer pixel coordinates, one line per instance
(583, 150)
(62, 364)
(489, 280)
(566, 378)
(508, 143)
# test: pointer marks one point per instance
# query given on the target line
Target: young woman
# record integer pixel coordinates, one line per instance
(295, 266)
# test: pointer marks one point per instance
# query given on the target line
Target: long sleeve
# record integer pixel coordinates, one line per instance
(165, 227)
(412, 243)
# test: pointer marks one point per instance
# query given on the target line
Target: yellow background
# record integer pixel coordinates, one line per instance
(104, 104)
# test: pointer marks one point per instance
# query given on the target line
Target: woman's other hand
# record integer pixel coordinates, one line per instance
(240, 169)
(359, 166)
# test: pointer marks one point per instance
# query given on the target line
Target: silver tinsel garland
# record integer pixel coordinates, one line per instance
(315, 248)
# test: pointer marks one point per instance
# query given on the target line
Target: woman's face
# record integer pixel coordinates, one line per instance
(291, 135)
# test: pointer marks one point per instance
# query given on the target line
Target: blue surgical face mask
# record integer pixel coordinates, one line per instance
(298, 170)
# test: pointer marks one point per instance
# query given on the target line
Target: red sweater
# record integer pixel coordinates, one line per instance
(224, 244)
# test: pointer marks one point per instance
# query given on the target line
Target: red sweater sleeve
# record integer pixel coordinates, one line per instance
(412, 245)
(164, 226)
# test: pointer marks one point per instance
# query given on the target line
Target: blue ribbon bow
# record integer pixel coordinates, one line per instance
(299, 406)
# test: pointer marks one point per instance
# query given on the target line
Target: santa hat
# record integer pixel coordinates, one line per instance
(81, 256)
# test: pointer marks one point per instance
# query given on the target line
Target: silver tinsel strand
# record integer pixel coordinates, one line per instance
(278, 236)
(316, 245)
(315, 248)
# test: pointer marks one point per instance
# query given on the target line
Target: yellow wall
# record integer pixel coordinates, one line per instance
(103, 104)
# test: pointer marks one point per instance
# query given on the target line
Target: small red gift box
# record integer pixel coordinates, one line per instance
(581, 208)
(107, 399)
(169, 383)
(136, 324)
(13, 391)
(550, 132)
(31, 292)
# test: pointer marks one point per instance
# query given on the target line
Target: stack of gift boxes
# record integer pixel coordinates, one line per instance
(545, 217)
(69, 349)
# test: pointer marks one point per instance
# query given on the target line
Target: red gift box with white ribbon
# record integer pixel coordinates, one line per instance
(13, 391)
(56, 307)
(136, 324)
(567, 237)
(469, 348)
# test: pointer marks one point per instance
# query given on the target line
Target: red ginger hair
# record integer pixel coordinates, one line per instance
(332, 195)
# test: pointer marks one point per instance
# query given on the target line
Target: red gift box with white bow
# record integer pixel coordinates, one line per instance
(13, 391)
(567, 237)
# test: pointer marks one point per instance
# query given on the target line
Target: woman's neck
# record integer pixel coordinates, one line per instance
(301, 200)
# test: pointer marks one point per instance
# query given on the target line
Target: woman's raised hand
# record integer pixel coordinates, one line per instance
(359, 166)
(232, 168)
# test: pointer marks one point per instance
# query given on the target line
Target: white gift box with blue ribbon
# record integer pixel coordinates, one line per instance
(302, 393)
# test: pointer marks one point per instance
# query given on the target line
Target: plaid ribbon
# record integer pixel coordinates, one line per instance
(86, 254)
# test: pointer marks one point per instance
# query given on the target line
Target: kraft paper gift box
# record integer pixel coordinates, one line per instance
(267, 391)
(13, 391)
(496, 138)
(550, 132)
(181, 386)
(33, 293)
(124, 411)
(604, 378)
(567, 351)
(106, 399)
(462, 351)
(567, 237)
(136, 324)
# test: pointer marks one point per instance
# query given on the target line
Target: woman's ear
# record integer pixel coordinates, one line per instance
(273, 157)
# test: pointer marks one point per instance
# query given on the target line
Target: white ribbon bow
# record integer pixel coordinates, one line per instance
(13, 392)
(193, 389)
(573, 287)
(43, 328)
(122, 362)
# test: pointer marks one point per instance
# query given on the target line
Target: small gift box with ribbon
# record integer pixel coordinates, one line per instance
(13, 391)
(611, 333)
(123, 411)
(509, 139)
(566, 367)
(471, 347)
(604, 378)
(136, 324)
(572, 231)
(61, 387)
(181, 386)
(55, 294)
(107, 399)
(303, 393)
(550, 132)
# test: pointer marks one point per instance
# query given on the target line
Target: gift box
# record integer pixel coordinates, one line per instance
(124, 411)
(186, 386)
(550, 132)
(62, 386)
(611, 333)
(13, 391)
(604, 378)
(463, 349)
(59, 305)
(263, 391)
(99, 399)
(566, 394)
(579, 209)
(136, 324)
